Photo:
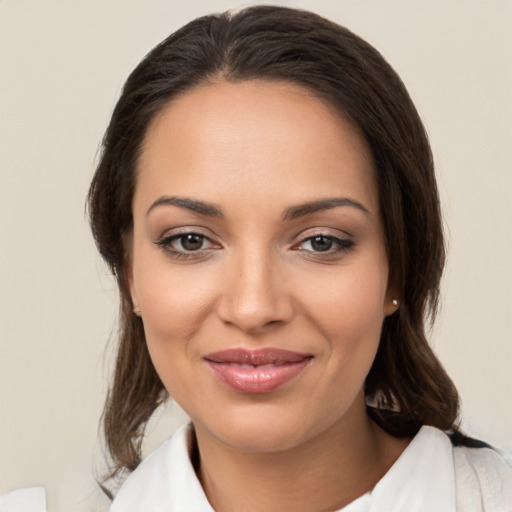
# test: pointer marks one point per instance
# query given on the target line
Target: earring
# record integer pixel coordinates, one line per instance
(395, 302)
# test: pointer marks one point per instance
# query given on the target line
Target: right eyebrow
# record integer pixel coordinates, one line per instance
(208, 209)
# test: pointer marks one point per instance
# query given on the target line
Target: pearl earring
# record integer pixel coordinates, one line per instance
(395, 303)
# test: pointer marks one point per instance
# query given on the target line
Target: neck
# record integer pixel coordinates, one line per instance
(324, 473)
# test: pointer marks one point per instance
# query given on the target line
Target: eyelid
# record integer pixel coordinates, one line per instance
(342, 240)
(185, 230)
(165, 243)
(321, 231)
(172, 238)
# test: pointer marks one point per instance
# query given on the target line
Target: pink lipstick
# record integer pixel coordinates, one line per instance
(257, 371)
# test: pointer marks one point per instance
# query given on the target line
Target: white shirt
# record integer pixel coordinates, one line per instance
(421, 480)
(429, 476)
(28, 499)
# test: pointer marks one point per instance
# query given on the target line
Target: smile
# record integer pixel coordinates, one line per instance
(257, 371)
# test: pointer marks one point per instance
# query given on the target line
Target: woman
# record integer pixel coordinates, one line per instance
(267, 201)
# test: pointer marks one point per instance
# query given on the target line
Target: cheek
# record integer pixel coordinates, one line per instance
(172, 302)
(349, 311)
(173, 310)
(348, 302)
(174, 306)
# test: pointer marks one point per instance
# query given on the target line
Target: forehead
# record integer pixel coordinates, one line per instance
(272, 139)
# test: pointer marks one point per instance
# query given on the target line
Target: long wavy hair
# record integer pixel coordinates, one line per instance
(407, 386)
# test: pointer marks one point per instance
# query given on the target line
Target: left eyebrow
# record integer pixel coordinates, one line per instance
(301, 210)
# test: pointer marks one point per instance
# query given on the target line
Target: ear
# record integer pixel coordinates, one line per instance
(131, 287)
(392, 301)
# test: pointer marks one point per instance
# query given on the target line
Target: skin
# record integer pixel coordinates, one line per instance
(255, 279)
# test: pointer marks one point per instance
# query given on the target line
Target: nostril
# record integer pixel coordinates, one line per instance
(255, 319)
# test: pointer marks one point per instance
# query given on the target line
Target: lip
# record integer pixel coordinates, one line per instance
(257, 371)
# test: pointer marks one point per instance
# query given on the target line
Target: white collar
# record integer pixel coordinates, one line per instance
(165, 481)
(421, 480)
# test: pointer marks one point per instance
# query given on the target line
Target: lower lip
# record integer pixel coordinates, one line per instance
(259, 379)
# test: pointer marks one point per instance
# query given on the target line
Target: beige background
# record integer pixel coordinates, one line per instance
(62, 64)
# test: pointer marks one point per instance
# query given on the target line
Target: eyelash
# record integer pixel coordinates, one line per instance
(166, 244)
(341, 245)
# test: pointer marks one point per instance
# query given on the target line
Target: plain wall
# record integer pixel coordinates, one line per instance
(62, 65)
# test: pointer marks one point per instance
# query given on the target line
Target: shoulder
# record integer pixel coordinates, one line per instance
(483, 478)
(27, 498)
(482, 474)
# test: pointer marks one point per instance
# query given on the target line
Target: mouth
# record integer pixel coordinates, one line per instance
(257, 371)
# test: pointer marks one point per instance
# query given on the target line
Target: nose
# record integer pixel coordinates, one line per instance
(255, 296)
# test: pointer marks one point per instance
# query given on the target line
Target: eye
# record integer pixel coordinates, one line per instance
(186, 244)
(324, 244)
(189, 242)
(318, 243)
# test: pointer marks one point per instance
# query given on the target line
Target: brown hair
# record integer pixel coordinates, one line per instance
(406, 384)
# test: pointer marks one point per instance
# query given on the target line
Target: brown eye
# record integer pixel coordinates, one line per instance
(328, 244)
(321, 243)
(185, 243)
(191, 241)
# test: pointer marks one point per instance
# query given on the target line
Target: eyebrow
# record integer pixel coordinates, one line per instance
(293, 212)
(210, 210)
(301, 210)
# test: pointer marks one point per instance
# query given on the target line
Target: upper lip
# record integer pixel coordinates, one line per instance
(256, 357)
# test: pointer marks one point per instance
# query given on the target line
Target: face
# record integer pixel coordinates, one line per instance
(258, 262)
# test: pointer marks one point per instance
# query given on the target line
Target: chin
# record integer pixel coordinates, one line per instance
(261, 431)
(261, 439)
